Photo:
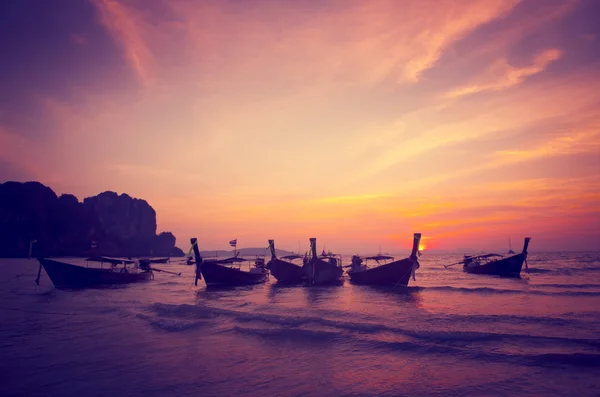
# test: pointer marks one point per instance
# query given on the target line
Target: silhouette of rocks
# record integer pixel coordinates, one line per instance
(107, 224)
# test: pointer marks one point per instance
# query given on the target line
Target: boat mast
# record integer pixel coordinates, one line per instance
(415, 248)
(198, 275)
(313, 250)
(272, 248)
(31, 247)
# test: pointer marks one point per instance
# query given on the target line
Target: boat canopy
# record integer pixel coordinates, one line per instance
(292, 257)
(379, 257)
(156, 260)
(329, 255)
(106, 259)
(482, 256)
(227, 260)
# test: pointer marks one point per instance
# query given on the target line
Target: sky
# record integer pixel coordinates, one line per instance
(355, 122)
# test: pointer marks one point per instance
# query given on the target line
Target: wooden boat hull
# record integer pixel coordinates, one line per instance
(395, 273)
(216, 274)
(507, 267)
(286, 272)
(324, 272)
(65, 275)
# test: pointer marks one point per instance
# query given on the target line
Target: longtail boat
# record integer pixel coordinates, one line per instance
(322, 270)
(226, 272)
(284, 270)
(66, 275)
(396, 273)
(496, 264)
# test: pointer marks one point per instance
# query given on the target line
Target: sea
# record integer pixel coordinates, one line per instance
(448, 334)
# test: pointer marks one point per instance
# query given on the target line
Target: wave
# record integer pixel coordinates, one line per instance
(489, 290)
(587, 268)
(424, 348)
(575, 319)
(294, 334)
(575, 286)
(538, 270)
(562, 269)
(589, 260)
(171, 325)
(287, 322)
(544, 359)
(182, 311)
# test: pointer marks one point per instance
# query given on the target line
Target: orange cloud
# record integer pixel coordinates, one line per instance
(127, 27)
(502, 75)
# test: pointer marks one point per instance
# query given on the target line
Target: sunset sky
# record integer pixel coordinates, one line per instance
(356, 122)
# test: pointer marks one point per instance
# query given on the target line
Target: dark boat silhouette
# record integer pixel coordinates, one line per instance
(225, 272)
(324, 269)
(495, 264)
(284, 270)
(66, 275)
(396, 273)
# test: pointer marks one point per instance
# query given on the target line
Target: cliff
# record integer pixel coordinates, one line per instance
(106, 224)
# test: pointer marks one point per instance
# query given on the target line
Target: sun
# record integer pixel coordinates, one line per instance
(422, 247)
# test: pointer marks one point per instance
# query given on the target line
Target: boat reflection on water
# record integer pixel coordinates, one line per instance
(318, 294)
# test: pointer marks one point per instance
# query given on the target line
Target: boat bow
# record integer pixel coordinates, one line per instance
(415, 254)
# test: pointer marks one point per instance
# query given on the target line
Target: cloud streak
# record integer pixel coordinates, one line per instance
(501, 75)
(127, 26)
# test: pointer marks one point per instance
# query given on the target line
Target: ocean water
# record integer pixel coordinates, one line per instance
(448, 334)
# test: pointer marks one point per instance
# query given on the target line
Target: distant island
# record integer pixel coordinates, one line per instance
(107, 224)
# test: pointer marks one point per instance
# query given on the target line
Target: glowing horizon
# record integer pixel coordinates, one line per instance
(358, 123)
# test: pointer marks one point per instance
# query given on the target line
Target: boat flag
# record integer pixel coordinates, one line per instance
(233, 243)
